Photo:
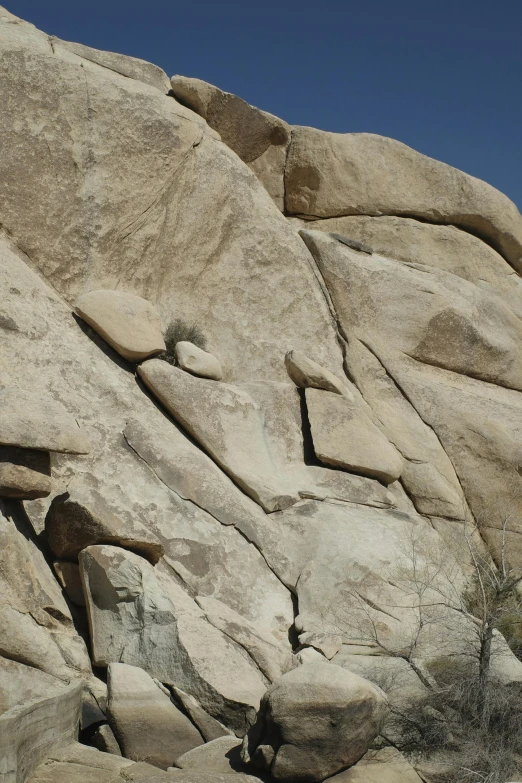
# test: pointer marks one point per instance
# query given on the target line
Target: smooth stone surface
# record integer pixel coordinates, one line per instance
(103, 739)
(313, 722)
(130, 324)
(68, 575)
(222, 755)
(197, 361)
(345, 437)
(32, 420)
(209, 728)
(81, 517)
(381, 766)
(25, 474)
(306, 373)
(37, 714)
(388, 178)
(147, 725)
(137, 619)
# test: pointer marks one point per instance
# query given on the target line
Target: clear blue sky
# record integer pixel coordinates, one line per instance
(442, 76)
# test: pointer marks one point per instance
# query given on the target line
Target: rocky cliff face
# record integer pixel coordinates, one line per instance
(190, 545)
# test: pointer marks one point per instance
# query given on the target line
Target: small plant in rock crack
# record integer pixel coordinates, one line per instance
(176, 332)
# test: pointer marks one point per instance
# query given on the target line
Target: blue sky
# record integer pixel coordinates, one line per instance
(444, 77)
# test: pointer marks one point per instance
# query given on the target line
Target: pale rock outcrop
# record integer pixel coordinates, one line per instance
(36, 626)
(272, 658)
(75, 763)
(68, 575)
(380, 766)
(130, 324)
(427, 472)
(32, 420)
(25, 474)
(306, 373)
(153, 204)
(228, 423)
(209, 728)
(260, 139)
(130, 67)
(81, 517)
(328, 644)
(447, 248)
(334, 174)
(103, 739)
(314, 722)
(136, 619)
(197, 361)
(146, 723)
(37, 714)
(222, 755)
(345, 437)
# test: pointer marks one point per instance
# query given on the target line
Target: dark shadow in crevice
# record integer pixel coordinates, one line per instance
(308, 443)
(100, 343)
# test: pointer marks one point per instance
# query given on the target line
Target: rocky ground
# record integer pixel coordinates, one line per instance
(223, 544)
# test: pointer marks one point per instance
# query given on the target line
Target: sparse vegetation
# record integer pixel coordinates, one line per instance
(177, 331)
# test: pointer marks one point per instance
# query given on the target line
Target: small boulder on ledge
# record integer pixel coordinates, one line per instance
(313, 722)
(306, 373)
(25, 474)
(197, 361)
(128, 323)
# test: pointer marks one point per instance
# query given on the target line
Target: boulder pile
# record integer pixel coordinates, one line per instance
(256, 380)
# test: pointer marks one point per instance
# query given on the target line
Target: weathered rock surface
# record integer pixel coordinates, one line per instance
(146, 723)
(222, 755)
(34, 421)
(314, 722)
(136, 619)
(37, 714)
(127, 322)
(103, 739)
(197, 361)
(389, 178)
(228, 424)
(259, 138)
(25, 474)
(81, 517)
(209, 728)
(68, 575)
(447, 248)
(380, 766)
(272, 658)
(305, 372)
(345, 437)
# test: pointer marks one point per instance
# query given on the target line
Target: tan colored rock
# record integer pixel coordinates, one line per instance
(37, 714)
(75, 763)
(130, 67)
(209, 728)
(435, 317)
(306, 373)
(222, 755)
(380, 766)
(150, 197)
(25, 474)
(327, 644)
(314, 722)
(228, 424)
(269, 654)
(36, 626)
(34, 421)
(82, 517)
(68, 575)
(334, 174)
(197, 361)
(147, 725)
(130, 324)
(447, 248)
(345, 437)
(259, 138)
(103, 739)
(156, 626)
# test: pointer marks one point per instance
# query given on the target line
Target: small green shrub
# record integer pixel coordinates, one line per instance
(177, 331)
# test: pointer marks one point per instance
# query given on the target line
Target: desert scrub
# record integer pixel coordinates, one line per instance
(178, 331)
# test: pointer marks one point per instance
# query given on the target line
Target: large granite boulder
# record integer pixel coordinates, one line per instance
(313, 722)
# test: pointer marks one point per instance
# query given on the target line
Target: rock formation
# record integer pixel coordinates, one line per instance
(244, 537)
